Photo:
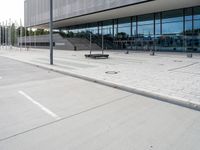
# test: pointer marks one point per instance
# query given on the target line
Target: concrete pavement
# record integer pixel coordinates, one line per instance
(91, 116)
(166, 76)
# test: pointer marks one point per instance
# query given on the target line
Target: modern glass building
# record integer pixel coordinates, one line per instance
(124, 24)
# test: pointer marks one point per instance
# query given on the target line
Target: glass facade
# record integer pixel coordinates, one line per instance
(175, 30)
(172, 37)
(145, 33)
(196, 29)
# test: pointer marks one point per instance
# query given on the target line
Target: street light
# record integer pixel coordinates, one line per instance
(51, 32)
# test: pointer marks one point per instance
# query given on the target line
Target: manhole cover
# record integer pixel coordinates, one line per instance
(112, 72)
(178, 61)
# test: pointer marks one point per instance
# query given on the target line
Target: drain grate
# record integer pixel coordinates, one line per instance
(112, 72)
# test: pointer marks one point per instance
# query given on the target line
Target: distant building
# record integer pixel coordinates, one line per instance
(162, 25)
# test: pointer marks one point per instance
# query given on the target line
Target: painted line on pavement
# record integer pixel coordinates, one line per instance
(46, 110)
(183, 66)
(0, 77)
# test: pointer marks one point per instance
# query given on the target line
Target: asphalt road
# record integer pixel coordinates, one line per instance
(43, 110)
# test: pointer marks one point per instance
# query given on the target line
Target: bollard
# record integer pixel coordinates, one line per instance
(152, 53)
(75, 48)
(189, 55)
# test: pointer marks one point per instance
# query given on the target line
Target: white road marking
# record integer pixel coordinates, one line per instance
(49, 112)
(0, 77)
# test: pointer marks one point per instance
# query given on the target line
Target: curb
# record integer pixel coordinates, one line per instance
(157, 96)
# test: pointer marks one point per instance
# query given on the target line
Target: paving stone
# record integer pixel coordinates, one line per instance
(166, 73)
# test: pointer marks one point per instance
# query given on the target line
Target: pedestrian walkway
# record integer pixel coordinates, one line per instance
(165, 75)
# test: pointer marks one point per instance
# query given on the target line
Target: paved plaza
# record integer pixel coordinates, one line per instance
(44, 110)
(170, 75)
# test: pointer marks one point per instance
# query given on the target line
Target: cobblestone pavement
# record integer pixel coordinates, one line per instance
(170, 74)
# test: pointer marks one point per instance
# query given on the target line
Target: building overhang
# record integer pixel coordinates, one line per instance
(146, 7)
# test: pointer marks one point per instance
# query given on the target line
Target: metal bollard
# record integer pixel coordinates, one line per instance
(189, 55)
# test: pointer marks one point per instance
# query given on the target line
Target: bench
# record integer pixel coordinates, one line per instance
(97, 56)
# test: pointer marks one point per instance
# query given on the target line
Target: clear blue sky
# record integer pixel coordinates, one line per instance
(13, 9)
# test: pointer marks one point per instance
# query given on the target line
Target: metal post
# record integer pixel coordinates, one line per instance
(25, 38)
(0, 36)
(6, 34)
(3, 35)
(10, 39)
(90, 43)
(102, 44)
(21, 34)
(51, 32)
(30, 38)
(35, 37)
(16, 34)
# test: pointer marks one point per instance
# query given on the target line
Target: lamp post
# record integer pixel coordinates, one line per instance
(51, 32)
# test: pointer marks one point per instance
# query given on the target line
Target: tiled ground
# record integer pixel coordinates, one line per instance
(170, 74)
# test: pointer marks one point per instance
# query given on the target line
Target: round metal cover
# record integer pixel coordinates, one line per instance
(178, 61)
(112, 72)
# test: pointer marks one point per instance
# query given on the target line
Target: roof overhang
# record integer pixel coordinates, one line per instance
(131, 10)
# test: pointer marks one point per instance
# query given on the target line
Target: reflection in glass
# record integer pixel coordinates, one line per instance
(146, 25)
(134, 27)
(124, 28)
(197, 13)
(173, 31)
(172, 38)
(196, 35)
(108, 28)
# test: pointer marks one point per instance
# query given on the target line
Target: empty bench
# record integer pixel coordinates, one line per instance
(97, 56)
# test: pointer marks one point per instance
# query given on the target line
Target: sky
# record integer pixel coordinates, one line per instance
(11, 9)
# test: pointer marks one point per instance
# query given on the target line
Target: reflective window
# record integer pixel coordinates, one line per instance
(172, 16)
(188, 29)
(92, 28)
(197, 26)
(145, 19)
(188, 26)
(172, 22)
(145, 32)
(172, 28)
(188, 14)
(115, 27)
(158, 24)
(188, 21)
(107, 32)
(146, 25)
(197, 13)
(172, 38)
(197, 20)
(196, 38)
(82, 29)
(108, 28)
(124, 27)
(174, 31)
(134, 26)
